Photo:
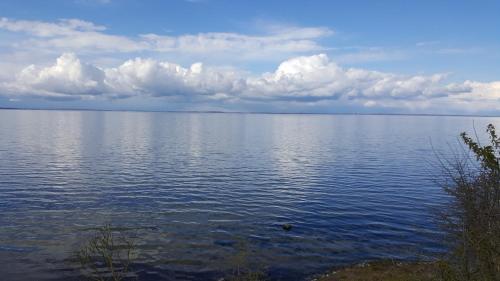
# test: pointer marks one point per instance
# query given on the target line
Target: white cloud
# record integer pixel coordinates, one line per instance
(292, 41)
(67, 78)
(316, 77)
(73, 35)
(373, 54)
(69, 35)
(153, 78)
(93, 2)
(65, 27)
(427, 43)
(308, 80)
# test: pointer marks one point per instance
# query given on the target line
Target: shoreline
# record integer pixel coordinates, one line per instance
(387, 270)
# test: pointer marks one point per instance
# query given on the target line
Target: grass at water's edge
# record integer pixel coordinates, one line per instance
(386, 270)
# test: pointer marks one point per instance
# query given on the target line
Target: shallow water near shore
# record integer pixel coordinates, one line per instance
(198, 189)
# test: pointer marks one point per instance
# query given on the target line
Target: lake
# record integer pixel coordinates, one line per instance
(198, 189)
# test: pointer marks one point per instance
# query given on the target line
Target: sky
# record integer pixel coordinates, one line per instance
(405, 57)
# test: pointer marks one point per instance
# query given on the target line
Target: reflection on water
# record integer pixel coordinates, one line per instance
(195, 185)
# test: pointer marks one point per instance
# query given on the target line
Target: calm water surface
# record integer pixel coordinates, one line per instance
(198, 189)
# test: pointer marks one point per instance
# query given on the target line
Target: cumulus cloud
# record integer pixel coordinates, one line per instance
(316, 77)
(154, 78)
(67, 78)
(305, 79)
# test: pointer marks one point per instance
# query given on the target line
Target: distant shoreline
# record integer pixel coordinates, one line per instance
(249, 112)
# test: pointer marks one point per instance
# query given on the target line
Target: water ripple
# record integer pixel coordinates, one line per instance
(197, 188)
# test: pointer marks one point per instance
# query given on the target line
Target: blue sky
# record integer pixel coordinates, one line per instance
(278, 56)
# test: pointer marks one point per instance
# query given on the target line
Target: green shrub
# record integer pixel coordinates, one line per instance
(472, 220)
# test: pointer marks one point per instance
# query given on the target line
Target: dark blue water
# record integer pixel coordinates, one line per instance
(199, 189)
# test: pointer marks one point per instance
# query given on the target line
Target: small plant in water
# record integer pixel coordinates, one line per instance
(243, 270)
(107, 256)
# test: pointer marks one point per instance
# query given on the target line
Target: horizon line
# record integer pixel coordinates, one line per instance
(249, 112)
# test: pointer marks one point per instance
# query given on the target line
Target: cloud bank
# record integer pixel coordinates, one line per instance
(305, 79)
